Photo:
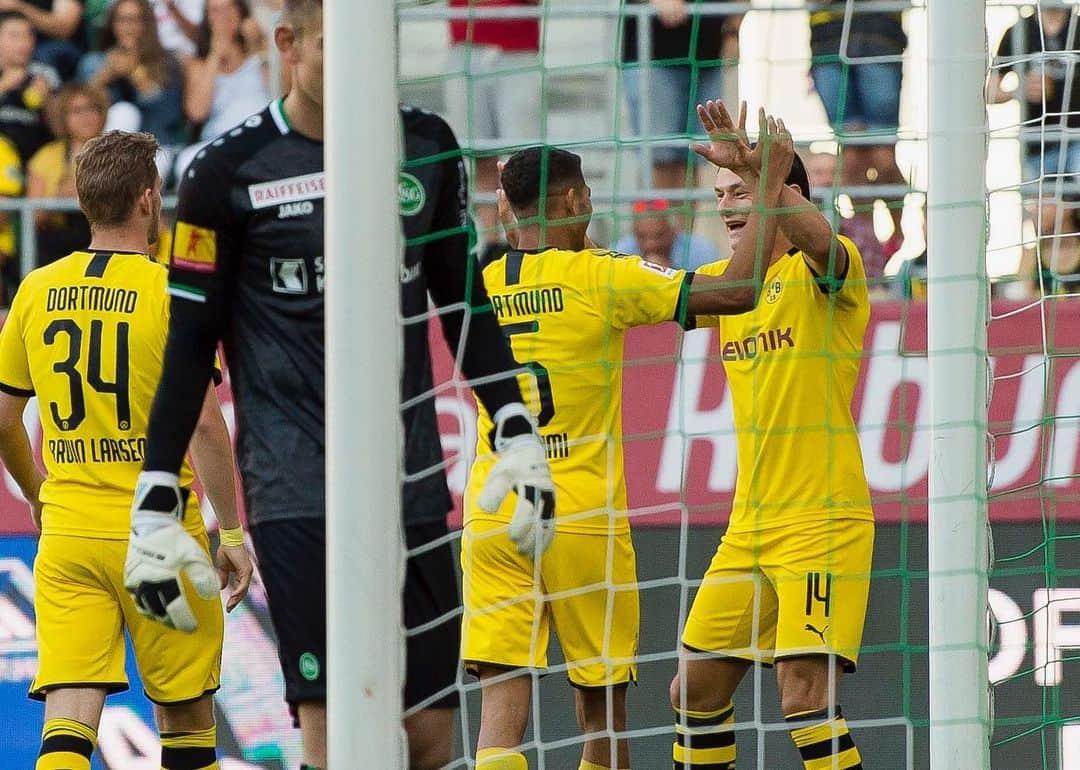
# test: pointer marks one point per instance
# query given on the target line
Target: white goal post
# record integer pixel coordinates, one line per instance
(364, 547)
(957, 347)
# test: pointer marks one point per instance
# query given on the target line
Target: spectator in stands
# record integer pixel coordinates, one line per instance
(178, 23)
(863, 97)
(61, 36)
(24, 87)
(711, 44)
(11, 186)
(493, 92)
(228, 78)
(1041, 51)
(1047, 77)
(658, 238)
(1053, 266)
(78, 115)
(144, 82)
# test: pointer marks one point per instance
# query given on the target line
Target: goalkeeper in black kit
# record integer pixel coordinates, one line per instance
(247, 269)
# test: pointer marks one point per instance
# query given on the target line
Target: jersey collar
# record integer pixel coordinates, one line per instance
(277, 112)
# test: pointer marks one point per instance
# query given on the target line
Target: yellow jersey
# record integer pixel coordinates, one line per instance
(86, 335)
(792, 364)
(566, 314)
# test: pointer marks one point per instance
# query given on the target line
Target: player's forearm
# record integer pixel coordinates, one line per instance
(189, 361)
(18, 459)
(806, 227)
(751, 256)
(212, 456)
(455, 279)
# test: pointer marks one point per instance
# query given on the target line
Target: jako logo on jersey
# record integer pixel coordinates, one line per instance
(410, 274)
(295, 188)
(762, 342)
(774, 290)
(410, 195)
(289, 276)
(299, 209)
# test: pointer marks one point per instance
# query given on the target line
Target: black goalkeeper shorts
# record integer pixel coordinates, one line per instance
(292, 564)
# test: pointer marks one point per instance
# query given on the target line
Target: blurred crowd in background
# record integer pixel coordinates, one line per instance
(182, 70)
(856, 71)
(186, 70)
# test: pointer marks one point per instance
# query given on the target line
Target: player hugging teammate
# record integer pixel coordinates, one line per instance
(788, 585)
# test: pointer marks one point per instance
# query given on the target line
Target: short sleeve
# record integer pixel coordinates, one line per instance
(14, 364)
(714, 269)
(633, 292)
(850, 289)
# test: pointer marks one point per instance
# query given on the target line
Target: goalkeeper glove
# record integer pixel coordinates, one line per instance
(522, 467)
(160, 552)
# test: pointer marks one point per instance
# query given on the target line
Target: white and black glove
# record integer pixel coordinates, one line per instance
(160, 552)
(522, 467)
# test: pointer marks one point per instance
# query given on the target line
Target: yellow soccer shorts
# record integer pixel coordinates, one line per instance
(785, 592)
(585, 585)
(82, 610)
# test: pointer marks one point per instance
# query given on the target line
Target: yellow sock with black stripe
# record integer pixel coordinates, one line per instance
(704, 740)
(500, 759)
(66, 745)
(587, 765)
(824, 743)
(195, 750)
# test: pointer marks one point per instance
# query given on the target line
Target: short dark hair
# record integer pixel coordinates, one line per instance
(797, 176)
(537, 172)
(111, 172)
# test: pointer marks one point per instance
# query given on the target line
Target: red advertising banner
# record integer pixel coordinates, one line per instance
(680, 446)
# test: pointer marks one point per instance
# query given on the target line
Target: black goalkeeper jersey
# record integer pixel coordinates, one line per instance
(247, 268)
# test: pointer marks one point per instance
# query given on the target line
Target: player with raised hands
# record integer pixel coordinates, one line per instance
(789, 583)
(566, 308)
(86, 335)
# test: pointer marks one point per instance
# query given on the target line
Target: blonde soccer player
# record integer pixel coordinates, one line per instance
(86, 336)
(566, 309)
(788, 585)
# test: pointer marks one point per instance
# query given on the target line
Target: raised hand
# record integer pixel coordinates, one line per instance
(778, 151)
(728, 146)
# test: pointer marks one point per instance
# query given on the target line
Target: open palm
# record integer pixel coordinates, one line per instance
(728, 146)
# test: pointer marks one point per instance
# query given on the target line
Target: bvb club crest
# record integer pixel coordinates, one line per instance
(773, 290)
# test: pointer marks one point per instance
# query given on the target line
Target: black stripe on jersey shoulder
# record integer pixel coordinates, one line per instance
(514, 258)
(99, 260)
(827, 284)
(682, 317)
(11, 390)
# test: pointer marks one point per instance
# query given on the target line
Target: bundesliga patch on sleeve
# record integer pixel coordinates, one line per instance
(194, 248)
(667, 272)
